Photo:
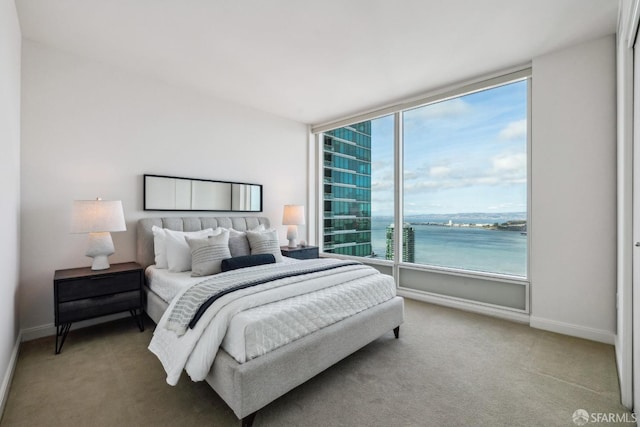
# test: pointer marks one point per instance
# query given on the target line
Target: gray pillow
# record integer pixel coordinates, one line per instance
(207, 254)
(238, 243)
(265, 242)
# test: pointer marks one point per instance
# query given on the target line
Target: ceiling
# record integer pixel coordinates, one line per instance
(314, 61)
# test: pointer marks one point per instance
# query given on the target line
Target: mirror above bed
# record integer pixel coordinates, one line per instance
(172, 193)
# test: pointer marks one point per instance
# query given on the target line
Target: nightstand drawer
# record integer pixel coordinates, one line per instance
(81, 309)
(87, 287)
(82, 293)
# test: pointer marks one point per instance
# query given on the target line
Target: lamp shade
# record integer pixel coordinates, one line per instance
(95, 216)
(293, 215)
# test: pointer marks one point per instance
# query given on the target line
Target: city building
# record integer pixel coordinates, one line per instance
(408, 243)
(347, 190)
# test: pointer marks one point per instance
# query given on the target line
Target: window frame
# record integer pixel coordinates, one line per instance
(479, 84)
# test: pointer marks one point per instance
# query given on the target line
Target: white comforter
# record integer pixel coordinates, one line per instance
(197, 348)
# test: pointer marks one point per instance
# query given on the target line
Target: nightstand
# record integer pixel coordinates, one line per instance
(299, 252)
(82, 293)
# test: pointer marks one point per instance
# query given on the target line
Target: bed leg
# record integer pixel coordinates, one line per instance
(248, 420)
(396, 332)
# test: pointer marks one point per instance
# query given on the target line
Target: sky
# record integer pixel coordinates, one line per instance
(466, 154)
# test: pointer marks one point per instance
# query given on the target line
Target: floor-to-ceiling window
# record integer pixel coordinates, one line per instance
(465, 180)
(459, 203)
(357, 179)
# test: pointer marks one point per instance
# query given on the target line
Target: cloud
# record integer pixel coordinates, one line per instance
(500, 170)
(379, 165)
(381, 185)
(433, 171)
(514, 130)
(509, 206)
(382, 207)
(509, 163)
(450, 108)
(412, 174)
(382, 179)
(439, 171)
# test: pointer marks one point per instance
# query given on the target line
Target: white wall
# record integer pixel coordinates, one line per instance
(92, 130)
(573, 230)
(10, 41)
(624, 110)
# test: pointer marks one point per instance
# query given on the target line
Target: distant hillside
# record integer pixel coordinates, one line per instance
(464, 218)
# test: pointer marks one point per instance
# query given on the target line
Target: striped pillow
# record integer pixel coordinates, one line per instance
(265, 242)
(207, 254)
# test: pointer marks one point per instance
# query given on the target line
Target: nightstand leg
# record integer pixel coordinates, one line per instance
(61, 331)
(137, 315)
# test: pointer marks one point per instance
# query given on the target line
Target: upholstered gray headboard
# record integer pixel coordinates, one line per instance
(145, 254)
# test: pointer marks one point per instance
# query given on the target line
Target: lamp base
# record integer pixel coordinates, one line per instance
(292, 236)
(100, 262)
(100, 247)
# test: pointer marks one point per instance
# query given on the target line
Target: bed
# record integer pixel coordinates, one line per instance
(248, 386)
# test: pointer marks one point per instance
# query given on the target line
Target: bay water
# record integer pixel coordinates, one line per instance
(467, 248)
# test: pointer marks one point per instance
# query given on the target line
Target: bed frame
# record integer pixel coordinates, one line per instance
(247, 387)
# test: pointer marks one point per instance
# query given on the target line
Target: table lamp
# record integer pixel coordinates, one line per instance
(98, 218)
(293, 216)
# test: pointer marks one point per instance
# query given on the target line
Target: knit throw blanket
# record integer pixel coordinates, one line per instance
(194, 302)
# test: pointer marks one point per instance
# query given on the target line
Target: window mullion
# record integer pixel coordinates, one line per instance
(397, 169)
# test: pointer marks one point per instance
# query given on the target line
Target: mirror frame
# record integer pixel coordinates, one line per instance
(149, 206)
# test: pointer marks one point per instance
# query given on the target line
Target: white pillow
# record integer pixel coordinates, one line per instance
(265, 242)
(207, 254)
(178, 252)
(159, 247)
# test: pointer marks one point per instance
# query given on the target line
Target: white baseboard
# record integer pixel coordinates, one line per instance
(514, 316)
(36, 332)
(8, 375)
(578, 331)
(49, 329)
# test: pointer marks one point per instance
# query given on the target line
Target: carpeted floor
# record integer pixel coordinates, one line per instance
(449, 368)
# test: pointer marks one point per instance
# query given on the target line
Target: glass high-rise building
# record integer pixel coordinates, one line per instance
(408, 243)
(347, 190)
